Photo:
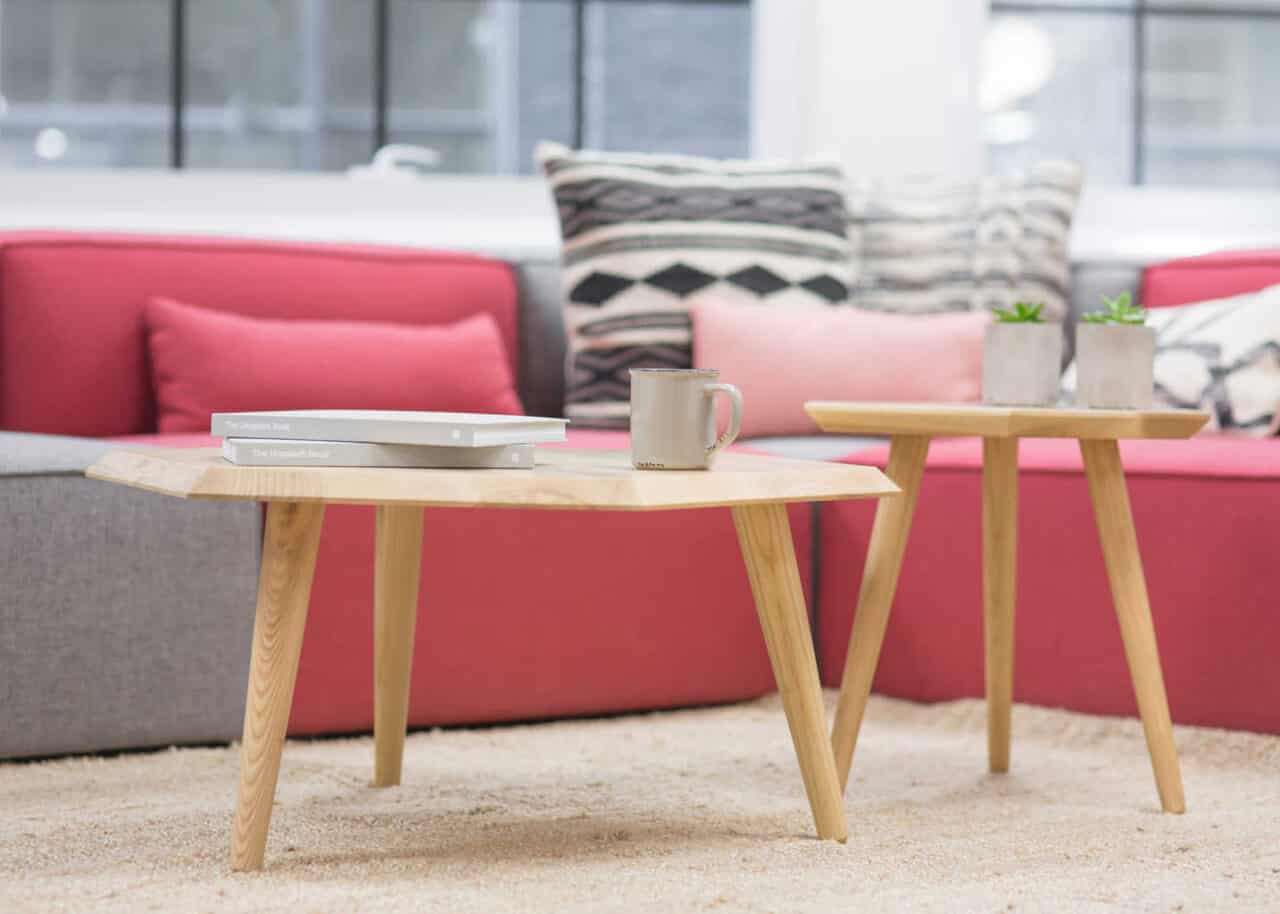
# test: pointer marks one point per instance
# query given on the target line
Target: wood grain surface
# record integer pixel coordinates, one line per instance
(562, 478)
(937, 419)
(284, 591)
(764, 534)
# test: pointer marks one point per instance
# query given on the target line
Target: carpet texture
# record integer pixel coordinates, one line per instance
(673, 812)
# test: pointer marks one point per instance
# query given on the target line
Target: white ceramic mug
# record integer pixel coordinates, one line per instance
(673, 417)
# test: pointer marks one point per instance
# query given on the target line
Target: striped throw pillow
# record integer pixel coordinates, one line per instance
(928, 245)
(646, 237)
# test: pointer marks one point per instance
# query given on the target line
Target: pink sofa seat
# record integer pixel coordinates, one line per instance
(537, 614)
(1206, 516)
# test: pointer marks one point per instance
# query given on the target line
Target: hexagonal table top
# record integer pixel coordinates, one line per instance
(561, 478)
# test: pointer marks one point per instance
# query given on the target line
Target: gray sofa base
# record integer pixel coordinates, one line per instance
(125, 617)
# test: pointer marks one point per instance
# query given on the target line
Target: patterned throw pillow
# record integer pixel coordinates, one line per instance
(942, 245)
(647, 236)
(1221, 355)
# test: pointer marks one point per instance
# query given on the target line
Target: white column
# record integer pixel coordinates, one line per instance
(784, 78)
(886, 87)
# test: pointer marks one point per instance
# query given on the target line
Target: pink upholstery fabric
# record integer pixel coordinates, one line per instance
(72, 348)
(205, 361)
(1193, 279)
(781, 358)
(540, 613)
(1206, 516)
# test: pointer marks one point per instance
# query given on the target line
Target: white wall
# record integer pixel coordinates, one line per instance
(886, 87)
(513, 217)
(509, 217)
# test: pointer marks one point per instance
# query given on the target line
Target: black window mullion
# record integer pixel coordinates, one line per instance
(177, 81)
(381, 70)
(579, 71)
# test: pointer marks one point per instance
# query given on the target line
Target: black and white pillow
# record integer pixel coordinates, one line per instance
(935, 244)
(646, 236)
(1222, 356)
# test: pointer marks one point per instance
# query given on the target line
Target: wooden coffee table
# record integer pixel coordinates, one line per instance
(910, 426)
(756, 488)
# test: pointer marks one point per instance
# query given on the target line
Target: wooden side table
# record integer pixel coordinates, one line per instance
(910, 427)
(757, 489)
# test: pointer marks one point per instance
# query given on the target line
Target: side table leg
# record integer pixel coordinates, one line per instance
(999, 580)
(879, 581)
(398, 556)
(764, 535)
(284, 591)
(1133, 608)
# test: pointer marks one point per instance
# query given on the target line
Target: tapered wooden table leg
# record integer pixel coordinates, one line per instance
(765, 537)
(879, 581)
(1133, 608)
(284, 590)
(999, 579)
(398, 556)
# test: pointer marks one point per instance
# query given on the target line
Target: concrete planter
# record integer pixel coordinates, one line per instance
(1115, 365)
(1021, 364)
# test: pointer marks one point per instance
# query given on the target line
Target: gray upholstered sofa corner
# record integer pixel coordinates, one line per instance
(125, 617)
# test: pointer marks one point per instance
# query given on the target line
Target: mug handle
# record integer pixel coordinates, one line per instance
(735, 416)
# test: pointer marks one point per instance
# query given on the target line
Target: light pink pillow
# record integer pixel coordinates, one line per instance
(779, 358)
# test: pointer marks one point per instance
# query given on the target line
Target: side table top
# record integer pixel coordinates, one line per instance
(1002, 421)
(561, 478)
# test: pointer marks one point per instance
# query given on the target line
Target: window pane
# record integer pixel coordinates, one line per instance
(1210, 85)
(1060, 85)
(280, 84)
(669, 77)
(544, 77)
(84, 82)
(479, 83)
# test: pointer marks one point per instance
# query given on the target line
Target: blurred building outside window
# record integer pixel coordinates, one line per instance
(1141, 91)
(1170, 92)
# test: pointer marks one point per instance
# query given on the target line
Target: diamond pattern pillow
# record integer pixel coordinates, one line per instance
(934, 244)
(646, 237)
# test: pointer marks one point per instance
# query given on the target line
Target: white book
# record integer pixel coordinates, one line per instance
(280, 452)
(390, 427)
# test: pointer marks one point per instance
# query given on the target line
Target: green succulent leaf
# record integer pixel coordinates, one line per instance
(1119, 310)
(1022, 313)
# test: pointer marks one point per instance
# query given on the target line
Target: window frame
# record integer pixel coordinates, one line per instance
(382, 26)
(1140, 13)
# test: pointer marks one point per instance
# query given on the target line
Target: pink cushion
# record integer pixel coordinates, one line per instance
(205, 361)
(72, 350)
(781, 358)
(1221, 275)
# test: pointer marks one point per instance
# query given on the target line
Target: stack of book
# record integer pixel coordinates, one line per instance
(380, 438)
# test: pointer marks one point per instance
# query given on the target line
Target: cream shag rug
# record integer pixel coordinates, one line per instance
(674, 812)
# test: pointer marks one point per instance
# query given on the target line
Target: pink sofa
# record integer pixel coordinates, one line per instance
(536, 614)
(1208, 519)
(542, 614)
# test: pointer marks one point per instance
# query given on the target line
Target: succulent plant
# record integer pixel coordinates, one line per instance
(1119, 310)
(1022, 313)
